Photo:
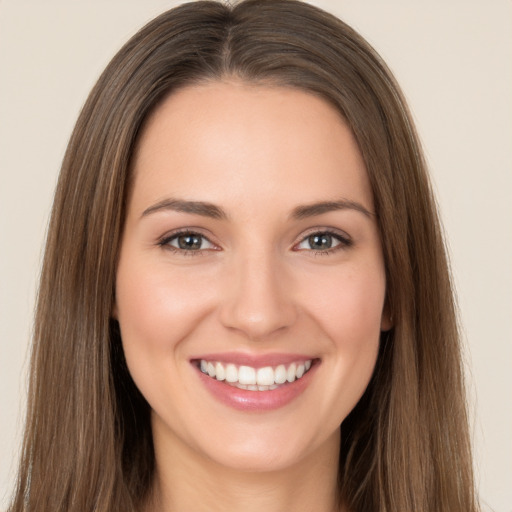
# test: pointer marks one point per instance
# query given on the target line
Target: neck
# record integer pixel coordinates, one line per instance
(185, 481)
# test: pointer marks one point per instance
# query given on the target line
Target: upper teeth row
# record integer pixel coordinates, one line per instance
(247, 375)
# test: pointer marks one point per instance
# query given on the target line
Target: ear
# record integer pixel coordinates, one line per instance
(113, 311)
(386, 321)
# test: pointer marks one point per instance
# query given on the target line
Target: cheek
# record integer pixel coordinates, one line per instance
(156, 310)
(349, 304)
(155, 302)
(348, 308)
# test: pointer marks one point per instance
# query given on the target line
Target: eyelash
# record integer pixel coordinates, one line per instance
(344, 242)
(165, 242)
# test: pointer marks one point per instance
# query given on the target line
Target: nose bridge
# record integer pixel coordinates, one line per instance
(258, 300)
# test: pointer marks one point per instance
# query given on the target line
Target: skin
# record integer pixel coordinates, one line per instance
(255, 287)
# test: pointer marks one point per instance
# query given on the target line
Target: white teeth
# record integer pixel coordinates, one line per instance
(254, 387)
(220, 372)
(265, 376)
(231, 373)
(280, 374)
(247, 377)
(290, 374)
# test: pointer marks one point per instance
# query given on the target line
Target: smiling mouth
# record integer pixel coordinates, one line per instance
(249, 378)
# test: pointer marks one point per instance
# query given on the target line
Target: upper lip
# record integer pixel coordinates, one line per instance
(254, 360)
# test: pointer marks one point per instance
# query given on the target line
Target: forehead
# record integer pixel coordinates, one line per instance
(227, 140)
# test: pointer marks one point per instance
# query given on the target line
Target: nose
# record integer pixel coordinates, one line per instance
(257, 299)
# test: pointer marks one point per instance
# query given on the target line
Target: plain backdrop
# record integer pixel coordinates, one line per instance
(453, 59)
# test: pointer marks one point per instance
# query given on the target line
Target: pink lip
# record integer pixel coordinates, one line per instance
(254, 401)
(254, 360)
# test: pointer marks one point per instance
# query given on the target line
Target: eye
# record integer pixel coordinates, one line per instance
(187, 241)
(323, 241)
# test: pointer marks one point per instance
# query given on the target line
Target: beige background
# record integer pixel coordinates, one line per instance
(454, 61)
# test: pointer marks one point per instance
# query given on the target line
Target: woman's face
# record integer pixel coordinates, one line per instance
(251, 283)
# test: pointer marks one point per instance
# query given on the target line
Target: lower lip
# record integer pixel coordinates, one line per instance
(246, 400)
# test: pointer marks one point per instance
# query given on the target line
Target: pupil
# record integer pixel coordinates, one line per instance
(189, 242)
(321, 242)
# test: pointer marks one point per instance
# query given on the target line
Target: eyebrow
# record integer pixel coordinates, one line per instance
(213, 211)
(196, 207)
(313, 209)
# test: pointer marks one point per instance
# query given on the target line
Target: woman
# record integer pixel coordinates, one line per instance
(271, 144)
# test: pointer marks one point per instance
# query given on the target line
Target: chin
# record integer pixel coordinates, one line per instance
(272, 449)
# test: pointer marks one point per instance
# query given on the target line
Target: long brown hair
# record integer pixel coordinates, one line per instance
(87, 443)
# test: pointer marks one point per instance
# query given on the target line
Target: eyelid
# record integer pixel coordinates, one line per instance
(164, 240)
(344, 239)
